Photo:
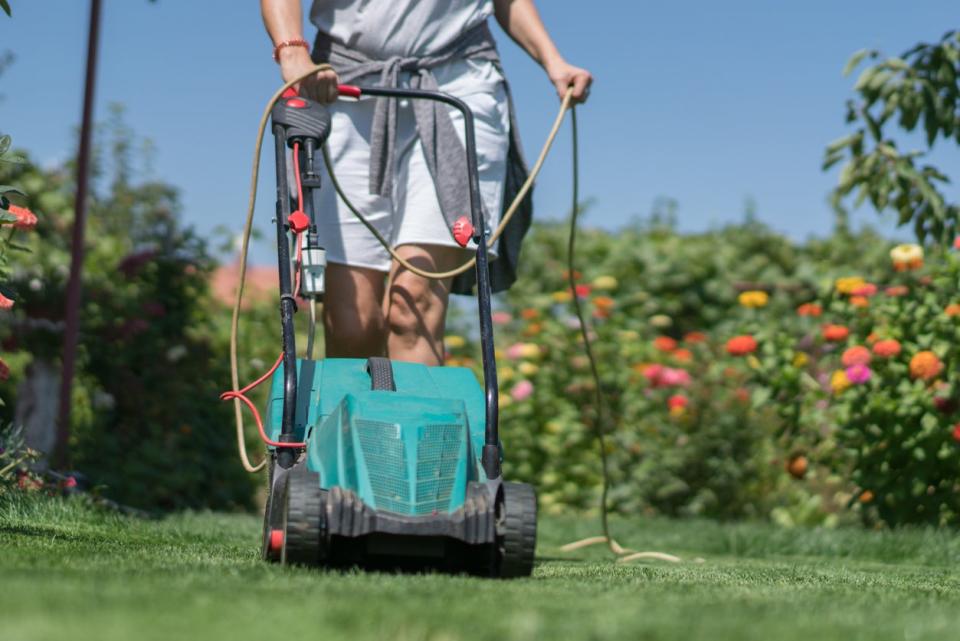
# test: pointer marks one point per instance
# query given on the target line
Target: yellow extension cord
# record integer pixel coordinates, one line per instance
(565, 105)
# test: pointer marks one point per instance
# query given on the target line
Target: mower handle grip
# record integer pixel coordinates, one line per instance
(350, 91)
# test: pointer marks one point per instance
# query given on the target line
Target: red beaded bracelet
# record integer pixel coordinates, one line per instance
(299, 42)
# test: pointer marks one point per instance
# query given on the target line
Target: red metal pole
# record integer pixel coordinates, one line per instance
(62, 451)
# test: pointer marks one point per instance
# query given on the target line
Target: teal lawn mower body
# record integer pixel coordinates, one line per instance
(380, 463)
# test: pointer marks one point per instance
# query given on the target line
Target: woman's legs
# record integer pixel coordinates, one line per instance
(415, 308)
(352, 315)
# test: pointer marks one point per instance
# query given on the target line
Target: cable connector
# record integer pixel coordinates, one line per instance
(313, 267)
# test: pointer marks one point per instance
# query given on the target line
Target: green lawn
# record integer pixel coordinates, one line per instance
(69, 573)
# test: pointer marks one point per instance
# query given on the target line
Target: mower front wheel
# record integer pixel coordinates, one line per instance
(304, 518)
(516, 530)
(272, 541)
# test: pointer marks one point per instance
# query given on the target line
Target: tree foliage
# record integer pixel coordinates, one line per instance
(917, 89)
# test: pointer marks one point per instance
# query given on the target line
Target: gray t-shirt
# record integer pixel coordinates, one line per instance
(384, 28)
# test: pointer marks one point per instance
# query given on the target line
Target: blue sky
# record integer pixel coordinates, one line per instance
(708, 103)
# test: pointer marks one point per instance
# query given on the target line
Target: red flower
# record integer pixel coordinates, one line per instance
(695, 337)
(664, 343)
(5, 303)
(4, 370)
(867, 290)
(835, 333)
(856, 355)
(956, 242)
(956, 432)
(809, 309)
(897, 290)
(741, 345)
(886, 348)
(529, 313)
(26, 219)
(683, 355)
(582, 291)
(677, 401)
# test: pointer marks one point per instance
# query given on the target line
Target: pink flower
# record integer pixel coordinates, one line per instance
(5, 303)
(652, 373)
(501, 318)
(867, 289)
(671, 377)
(521, 391)
(515, 351)
(858, 373)
(26, 219)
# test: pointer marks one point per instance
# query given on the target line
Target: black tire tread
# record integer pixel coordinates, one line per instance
(518, 542)
(305, 520)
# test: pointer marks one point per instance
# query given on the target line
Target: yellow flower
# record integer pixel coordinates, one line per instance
(907, 256)
(505, 400)
(553, 427)
(839, 381)
(506, 373)
(605, 282)
(563, 296)
(753, 362)
(849, 284)
(678, 411)
(800, 359)
(628, 335)
(753, 298)
(528, 369)
(529, 350)
(453, 342)
(661, 321)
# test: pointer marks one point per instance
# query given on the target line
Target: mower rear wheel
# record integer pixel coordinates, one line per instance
(304, 518)
(516, 530)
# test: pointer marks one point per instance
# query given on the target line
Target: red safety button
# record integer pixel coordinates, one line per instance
(297, 103)
(298, 221)
(462, 231)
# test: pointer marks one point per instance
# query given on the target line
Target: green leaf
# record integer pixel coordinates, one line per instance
(6, 217)
(855, 60)
(5, 6)
(5, 142)
(10, 189)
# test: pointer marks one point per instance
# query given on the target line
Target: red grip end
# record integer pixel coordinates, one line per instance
(298, 221)
(350, 91)
(290, 93)
(462, 231)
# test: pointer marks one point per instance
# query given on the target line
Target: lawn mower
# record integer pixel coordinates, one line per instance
(372, 462)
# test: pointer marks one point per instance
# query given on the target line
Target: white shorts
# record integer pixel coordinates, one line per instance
(412, 215)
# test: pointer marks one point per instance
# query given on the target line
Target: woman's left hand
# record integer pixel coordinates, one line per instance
(564, 76)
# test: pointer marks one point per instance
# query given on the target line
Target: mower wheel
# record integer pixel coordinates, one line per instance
(304, 518)
(273, 511)
(516, 530)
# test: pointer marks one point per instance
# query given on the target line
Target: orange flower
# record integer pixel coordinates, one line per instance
(835, 333)
(897, 290)
(741, 345)
(873, 337)
(859, 301)
(695, 337)
(603, 302)
(925, 365)
(952, 309)
(529, 314)
(797, 466)
(809, 309)
(533, 329)
(856, 355)
(664, 343)
(887, 348)
(26, 219)
(683, 355)
(866, 496)
(866, 289)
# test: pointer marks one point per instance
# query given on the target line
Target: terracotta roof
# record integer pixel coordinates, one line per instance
(261, 285)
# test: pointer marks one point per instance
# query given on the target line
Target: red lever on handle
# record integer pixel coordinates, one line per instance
(350, 91)
(290, 93)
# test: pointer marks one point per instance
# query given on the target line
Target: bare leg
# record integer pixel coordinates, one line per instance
(415, 309)
(352, 315)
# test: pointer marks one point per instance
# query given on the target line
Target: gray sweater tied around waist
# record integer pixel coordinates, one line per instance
(444, 152)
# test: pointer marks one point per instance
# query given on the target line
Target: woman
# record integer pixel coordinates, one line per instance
(402, 163)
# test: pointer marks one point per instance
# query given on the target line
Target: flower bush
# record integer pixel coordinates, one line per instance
(745, 375)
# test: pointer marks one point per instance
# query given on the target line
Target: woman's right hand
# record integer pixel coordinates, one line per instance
(321, 86)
